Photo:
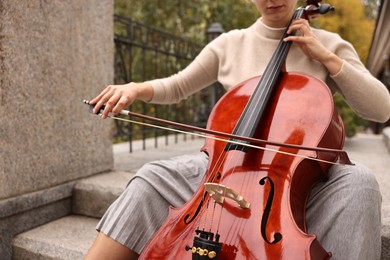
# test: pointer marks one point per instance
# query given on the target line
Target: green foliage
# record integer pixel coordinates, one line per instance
(352, 123)
(189, 18)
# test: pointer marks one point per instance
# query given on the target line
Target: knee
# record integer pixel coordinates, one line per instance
(363, 177)
(358, 180)
(140, 190)
(143, 174)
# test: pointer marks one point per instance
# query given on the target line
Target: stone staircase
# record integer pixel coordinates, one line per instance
(70, 237)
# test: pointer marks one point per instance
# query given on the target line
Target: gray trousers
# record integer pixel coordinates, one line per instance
(344, 212)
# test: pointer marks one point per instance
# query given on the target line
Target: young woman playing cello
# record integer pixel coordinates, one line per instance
(343, 212)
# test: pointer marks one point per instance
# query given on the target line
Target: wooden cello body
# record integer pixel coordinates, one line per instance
(251, 203)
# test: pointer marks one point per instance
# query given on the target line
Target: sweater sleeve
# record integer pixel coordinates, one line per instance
(366, 95)
(197, 75)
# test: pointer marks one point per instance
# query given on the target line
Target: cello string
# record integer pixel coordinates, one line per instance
(274, 70)
(284, 47)
(214, 171)
(230, 162)
(264, 92)
(203, 220)
(242, 128)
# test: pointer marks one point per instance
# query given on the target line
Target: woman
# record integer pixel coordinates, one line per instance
(344, 212)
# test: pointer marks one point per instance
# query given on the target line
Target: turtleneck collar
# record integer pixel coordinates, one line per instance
(267, 31)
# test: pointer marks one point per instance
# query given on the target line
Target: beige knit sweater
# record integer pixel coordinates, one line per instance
(241, 54)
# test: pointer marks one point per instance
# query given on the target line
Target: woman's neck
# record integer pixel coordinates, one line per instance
(268, 31)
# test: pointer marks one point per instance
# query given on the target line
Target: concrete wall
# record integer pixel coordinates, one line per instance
(53, 54)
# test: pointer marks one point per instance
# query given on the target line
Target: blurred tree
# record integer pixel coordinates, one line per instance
(371, 8)
(354, 20)
(351, 22)
(189, 18)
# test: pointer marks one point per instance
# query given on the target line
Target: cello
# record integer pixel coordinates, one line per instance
(251, 203)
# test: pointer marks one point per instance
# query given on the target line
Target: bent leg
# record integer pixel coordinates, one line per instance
(345, 213)
(105, 248)
(142, 208)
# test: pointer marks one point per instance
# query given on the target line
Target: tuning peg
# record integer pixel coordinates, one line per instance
(324, 8)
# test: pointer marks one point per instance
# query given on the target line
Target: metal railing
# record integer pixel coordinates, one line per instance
(144, 53)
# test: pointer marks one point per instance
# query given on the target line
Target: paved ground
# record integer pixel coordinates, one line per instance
(371, 150)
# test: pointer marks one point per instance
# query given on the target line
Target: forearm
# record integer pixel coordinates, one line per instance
(332, 63)
(198, 75)
(366, 95)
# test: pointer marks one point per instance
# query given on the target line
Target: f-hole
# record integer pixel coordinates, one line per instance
(267, 211)
(188, 219)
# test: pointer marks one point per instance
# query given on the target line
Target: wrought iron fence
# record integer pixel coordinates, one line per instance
(144, 53)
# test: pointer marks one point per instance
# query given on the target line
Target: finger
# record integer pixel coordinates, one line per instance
(297, 39)
(123, 102)
(97, 98)
(110, 104)
(299, 25)
(293, 26)
(103, 100)
(294, 29)
(300, 21)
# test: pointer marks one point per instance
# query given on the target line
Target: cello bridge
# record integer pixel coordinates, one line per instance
(219, 192)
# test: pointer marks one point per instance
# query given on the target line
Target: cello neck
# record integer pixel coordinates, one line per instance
(255, 108)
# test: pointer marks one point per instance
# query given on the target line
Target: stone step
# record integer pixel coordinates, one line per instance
(92, 196)
(68, 238)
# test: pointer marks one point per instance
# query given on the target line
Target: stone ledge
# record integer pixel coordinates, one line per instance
(15, 205)
(18, 223)
(28, 211)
